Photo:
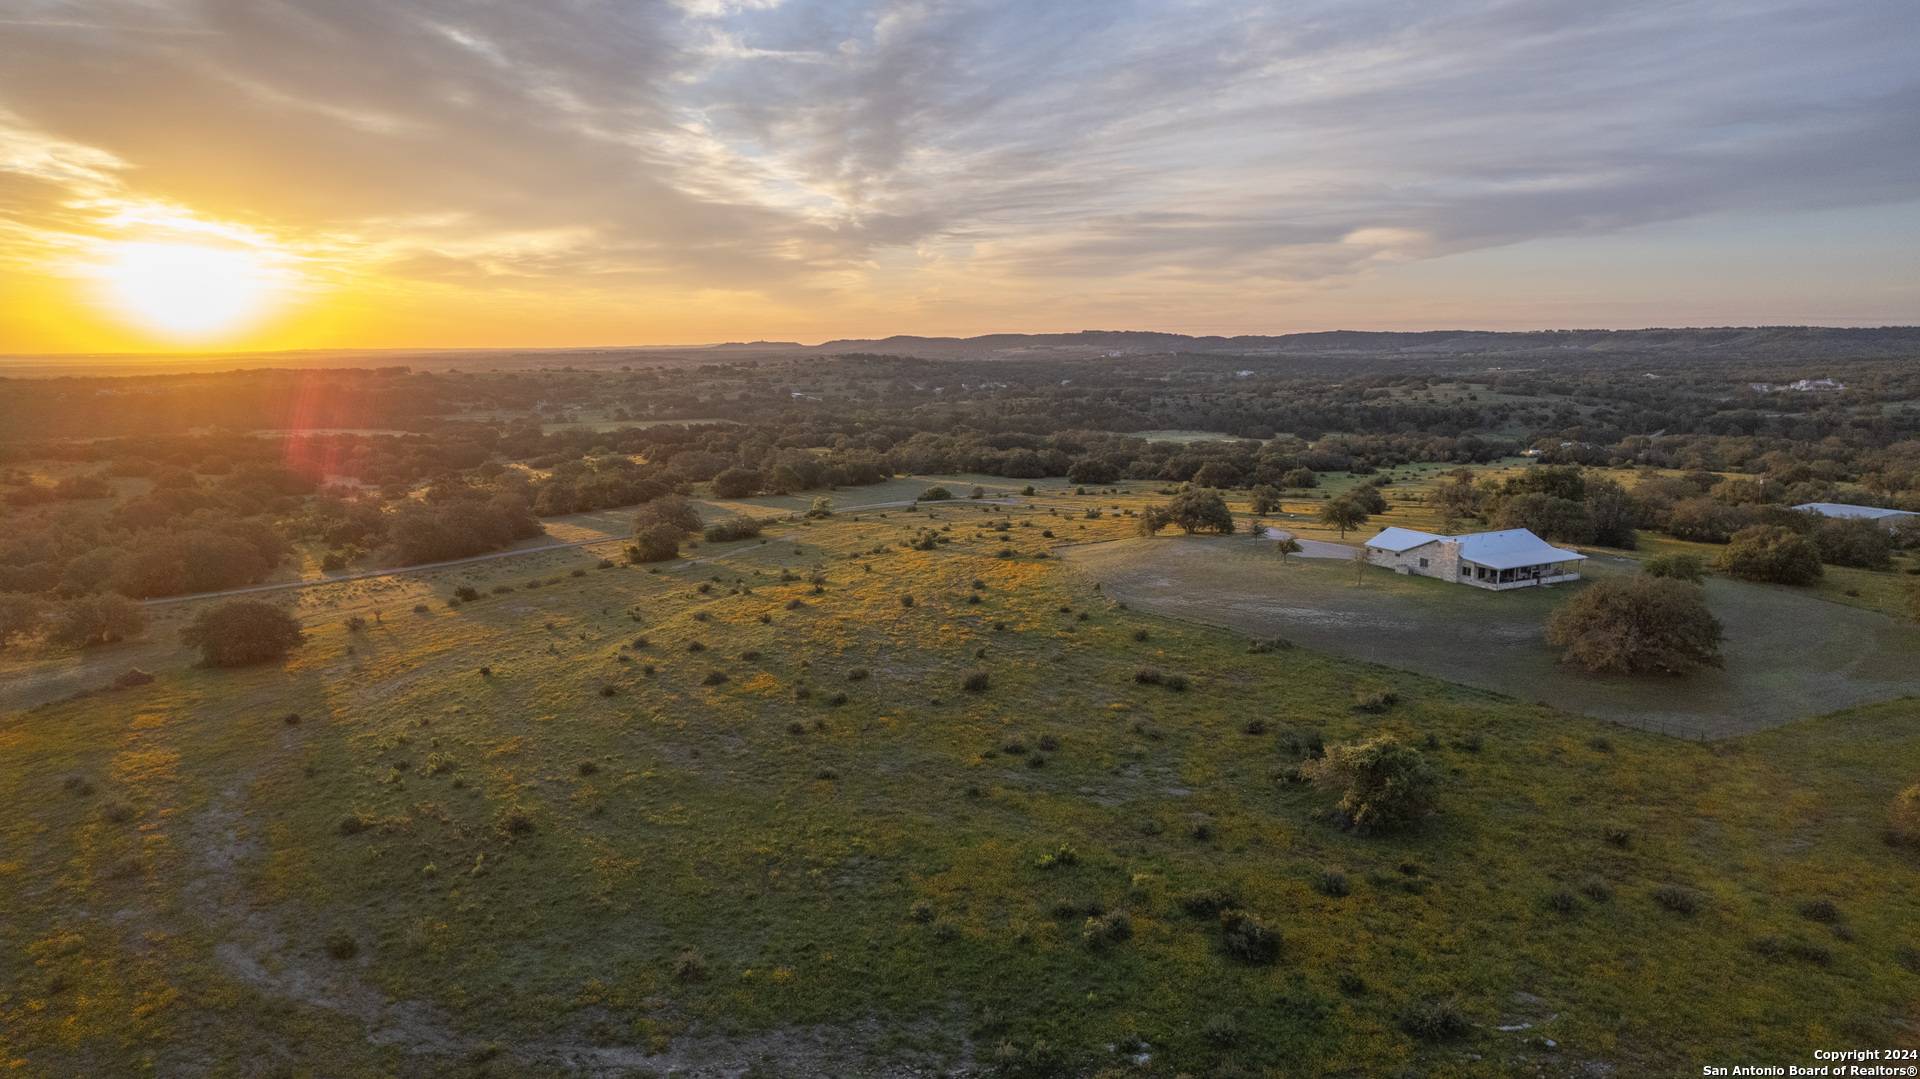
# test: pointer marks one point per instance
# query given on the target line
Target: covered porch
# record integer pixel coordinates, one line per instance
(1517, 576)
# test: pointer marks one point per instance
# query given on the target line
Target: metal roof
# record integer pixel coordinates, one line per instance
(1510, 549)
(1402, 539)
(1844, 509)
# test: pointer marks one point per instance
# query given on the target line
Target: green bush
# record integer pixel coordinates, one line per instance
(1770, 554)
(733, 528)
(1382, 784)
(240, 632)
(1247, 939)
(1679, 567)
(1637, 625)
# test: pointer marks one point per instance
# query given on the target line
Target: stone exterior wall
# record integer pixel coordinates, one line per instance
(1442, 560)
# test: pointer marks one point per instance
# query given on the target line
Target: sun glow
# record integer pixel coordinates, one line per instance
(189, 290)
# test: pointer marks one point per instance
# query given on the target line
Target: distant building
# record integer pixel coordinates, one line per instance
(1511, 558)
(1800, 385)
(1848, 511)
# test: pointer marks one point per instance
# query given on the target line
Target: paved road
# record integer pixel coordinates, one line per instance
(1313, 548)
(425, 567)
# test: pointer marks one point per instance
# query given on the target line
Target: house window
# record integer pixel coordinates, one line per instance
(1423, 563)
(1466, 571)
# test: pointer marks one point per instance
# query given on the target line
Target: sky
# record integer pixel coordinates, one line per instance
(248, 174)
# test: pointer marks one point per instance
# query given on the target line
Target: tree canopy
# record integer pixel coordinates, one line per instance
(241, 632)
(1637, 625)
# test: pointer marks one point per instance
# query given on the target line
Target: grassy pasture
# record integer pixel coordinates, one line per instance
(600, 859)
(1788, 654)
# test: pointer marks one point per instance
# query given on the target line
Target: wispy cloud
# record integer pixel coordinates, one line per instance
(867, 150)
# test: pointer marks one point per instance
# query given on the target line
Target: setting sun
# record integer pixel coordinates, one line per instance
(189, 290)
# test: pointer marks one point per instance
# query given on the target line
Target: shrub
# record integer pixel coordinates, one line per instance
(733, 528)
(1382, 784)
(737, 483)
(976, 682)
(1771, 554)
(714, 678)
(1435, 1020)
(936, 494)
(1637, 625)
(466, 593)
(1820, 910)
(1105, 930)
(1374, 701)
(1207, 903)
(342, 946)
(688, 966)
(1064, 855)
(1246, 939)
(1678, 899)
(240, 632)
(1903, 818)
(858, 674)
(1690, 568)
(1854, 542)
(94, 620)
(655, 542)
(1221, 1029)
(1562, 901)
(1333, 884)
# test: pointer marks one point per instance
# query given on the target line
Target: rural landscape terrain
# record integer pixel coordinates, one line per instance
(1016, 706)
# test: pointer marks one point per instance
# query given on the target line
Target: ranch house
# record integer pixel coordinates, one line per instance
(1511, 558)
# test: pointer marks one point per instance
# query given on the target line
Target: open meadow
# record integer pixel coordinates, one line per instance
(888, 791)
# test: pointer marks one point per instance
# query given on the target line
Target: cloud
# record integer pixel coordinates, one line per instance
(869, 148)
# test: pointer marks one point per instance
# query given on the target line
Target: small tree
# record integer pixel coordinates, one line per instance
(1772, 554)
(242, 631)
(1266, 498)
(1680, 567)
(1342, 513)
(936, 494)
(822, 507)
(1198, 511)
(1382, 784)
(1287, 545)
(97, 619)
(737, 483)
(656, 542)
(1637, 625)
(671, 510)
(1152, 520)
(1856, 542)
(1256, 528)
(21, 615)
(1368, 497)
(1300, 477)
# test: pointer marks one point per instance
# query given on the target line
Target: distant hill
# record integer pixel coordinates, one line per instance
(1743, 340)
(1333, 349)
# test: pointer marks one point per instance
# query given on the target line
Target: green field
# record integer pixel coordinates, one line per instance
(591, 860)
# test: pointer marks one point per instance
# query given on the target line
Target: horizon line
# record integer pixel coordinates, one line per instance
(775, 344)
